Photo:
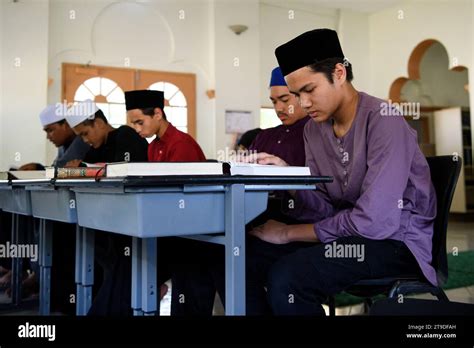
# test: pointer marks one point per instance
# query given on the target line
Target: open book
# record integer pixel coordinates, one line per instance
(200, 168)
(23, 175)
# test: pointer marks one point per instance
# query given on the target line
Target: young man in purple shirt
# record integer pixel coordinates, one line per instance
(376, 218)
(198, 283)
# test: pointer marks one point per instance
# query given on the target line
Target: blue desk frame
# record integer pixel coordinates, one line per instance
(16, 200)
(232, 204)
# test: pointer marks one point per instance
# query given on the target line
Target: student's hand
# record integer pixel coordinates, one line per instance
(73, 163)
(265, 158)
(272, 232)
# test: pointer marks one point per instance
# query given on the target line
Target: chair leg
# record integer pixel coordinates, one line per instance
(406, 288)
(440, 294)
(367, 304)
(332, 306)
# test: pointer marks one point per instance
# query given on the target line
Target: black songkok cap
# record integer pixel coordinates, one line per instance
(308, 48)
(144, 99)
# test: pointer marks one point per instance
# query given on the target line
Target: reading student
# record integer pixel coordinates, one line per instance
(199, 281)
(146, 115)
(285, 140)
(381, 204)
(70, 146)
(112, 145)
(145, 112)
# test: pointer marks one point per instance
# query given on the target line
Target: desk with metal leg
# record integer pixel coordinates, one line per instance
(50, 204)
(147, 208)
(16, 200)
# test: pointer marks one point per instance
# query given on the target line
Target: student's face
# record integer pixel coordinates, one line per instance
(58, 133)
(146, 126)
(318, 97)
(93, 134)
(286, 105)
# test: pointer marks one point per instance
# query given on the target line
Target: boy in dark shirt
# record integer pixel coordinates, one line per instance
(111, 145)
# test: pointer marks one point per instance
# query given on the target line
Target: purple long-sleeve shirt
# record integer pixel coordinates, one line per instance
(382, 185)
(283, 141)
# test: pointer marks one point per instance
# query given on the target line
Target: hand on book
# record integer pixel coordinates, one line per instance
(73, 164)
(265, 158)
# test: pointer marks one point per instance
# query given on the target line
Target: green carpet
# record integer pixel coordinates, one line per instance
(460, 274)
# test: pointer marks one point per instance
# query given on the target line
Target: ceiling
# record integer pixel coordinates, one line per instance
(365, 6)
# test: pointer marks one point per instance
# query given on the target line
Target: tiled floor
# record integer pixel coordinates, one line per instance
(460, 238)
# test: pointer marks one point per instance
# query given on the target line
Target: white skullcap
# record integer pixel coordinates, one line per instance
(51, 114)
(80, 112)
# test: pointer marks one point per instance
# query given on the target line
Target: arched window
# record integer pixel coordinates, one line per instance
(108, 96)
(176, 107)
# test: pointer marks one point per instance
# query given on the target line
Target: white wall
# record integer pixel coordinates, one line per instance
(353, 29)
(392, 40)
(150, 35)
(237, 87)
(24, 27)
(281, 21)
(2, 136)
(445, 87)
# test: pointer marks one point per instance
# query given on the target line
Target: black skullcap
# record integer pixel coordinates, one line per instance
(308, 48)
(144, 99)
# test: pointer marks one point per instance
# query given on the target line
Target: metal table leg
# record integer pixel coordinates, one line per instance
(137, 276)
(45, 264)
(78, 272)
(84, 269)
(149, 290)
(17, 262)
(235, 250)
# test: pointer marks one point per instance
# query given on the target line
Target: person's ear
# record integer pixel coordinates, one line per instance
(158, 114)
(340, 73)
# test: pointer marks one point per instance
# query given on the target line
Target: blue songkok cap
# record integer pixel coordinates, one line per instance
(277, 78)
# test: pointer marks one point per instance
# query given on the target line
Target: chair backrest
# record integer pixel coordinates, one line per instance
(444, 175)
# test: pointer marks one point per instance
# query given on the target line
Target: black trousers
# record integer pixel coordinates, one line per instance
(113, 296)
(296, 278)
(5, 236)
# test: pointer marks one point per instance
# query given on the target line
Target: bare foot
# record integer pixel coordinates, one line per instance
(29, 287)
(6, 279)
(163, 290)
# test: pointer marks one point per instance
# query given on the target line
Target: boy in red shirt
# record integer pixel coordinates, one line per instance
(146, 116)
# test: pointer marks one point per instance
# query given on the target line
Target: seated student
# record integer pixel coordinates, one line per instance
(285, 140)
(145, 112)
(381, 204)
(199, 282)
(111, 145)
(70, 147)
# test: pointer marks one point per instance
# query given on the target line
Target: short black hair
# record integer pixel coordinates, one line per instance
(248, 137)
(327, 66)
(151, 111)
(98, 115)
